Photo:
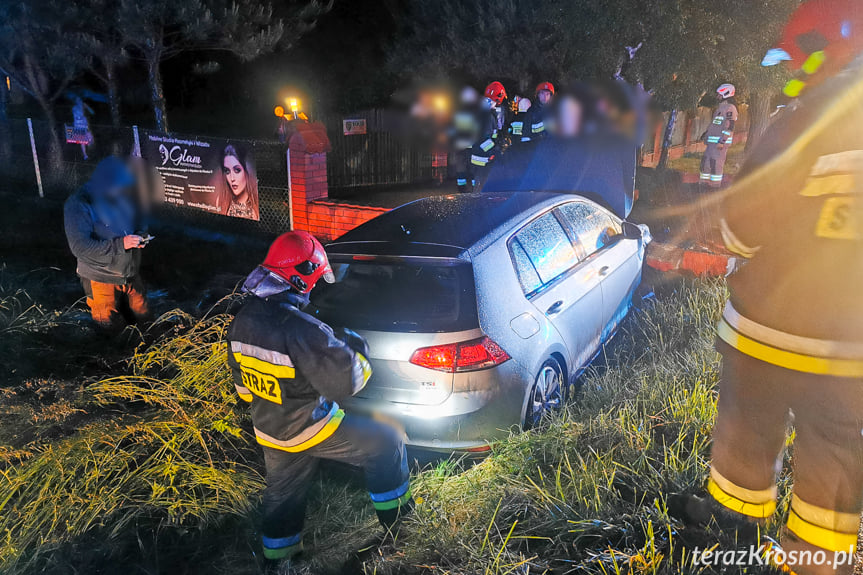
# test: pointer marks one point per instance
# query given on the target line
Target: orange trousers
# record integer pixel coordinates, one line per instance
(114, 306)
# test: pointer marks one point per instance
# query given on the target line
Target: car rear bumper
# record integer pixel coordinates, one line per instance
(468, 419)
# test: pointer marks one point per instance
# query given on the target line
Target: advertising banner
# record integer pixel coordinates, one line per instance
(354, 127)
(210, 174)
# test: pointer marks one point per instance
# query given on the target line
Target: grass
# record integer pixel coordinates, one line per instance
(586, 493)
(164, 471)
(691, 162)
(165, 447)
(20, 313)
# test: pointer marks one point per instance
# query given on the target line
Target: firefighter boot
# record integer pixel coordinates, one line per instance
(695, 511)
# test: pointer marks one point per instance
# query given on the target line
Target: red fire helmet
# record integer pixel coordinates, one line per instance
(544, 86)
(820, 38)
(300, 259)
(495, 92)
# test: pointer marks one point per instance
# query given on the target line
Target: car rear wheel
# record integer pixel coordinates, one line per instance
(546, 396)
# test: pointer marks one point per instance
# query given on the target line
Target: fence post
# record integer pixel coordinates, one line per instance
(290, 192)
(136, 146)
(35, 158)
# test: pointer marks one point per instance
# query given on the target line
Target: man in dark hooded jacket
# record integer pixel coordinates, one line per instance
(100, 221)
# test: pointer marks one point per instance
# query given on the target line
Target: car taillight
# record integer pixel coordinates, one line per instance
(470, 355)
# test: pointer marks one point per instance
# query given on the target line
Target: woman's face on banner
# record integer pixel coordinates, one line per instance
(235, 175)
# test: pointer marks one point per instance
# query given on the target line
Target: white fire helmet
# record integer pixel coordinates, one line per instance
(523, 104)
(725, 91)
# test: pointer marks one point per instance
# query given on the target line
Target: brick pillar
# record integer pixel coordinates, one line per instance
(309, 175)
(308, 145)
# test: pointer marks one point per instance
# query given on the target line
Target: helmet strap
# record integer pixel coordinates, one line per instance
(299, 284)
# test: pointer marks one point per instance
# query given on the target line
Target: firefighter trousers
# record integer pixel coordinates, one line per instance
(757, 401)
(713, 165)
(464, 171)
(374, 446)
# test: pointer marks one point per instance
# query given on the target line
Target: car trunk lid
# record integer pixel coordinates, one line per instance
(400, 304)
(397, 380)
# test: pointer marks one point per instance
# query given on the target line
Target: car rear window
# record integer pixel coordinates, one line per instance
(398, 296)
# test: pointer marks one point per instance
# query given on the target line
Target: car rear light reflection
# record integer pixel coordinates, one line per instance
(470, 355)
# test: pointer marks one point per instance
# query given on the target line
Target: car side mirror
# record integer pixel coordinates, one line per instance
(632, 231)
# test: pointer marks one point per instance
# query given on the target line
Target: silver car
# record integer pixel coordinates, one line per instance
(480, 309)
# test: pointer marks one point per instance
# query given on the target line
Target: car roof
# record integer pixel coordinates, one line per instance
(453, 223)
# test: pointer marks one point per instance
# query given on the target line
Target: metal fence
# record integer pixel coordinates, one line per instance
(394, 150)
(64, 174)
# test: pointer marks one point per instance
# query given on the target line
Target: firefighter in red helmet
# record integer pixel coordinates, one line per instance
(489, 143)
(537, 116)
(293, 370)
(791, 334)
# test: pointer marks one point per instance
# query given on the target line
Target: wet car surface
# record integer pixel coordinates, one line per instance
(480, 309)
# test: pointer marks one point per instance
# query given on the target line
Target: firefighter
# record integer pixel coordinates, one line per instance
(537, 117)
(719, 136)
(791, 334)
(463, 134)
(293, 370)
(492, 120)
(520, 108)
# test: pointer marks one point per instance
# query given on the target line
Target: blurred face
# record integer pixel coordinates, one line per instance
(544, 97)
(569, 117)
(235, 175)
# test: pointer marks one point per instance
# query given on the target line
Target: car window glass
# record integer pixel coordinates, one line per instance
(547, 246)
(593, 227)
(397, 296)
(527, 276)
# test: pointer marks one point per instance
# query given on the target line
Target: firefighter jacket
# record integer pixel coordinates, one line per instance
(465, 127)
(519, 127)
(535, 122)
(487, 144)
(721, 128)
(292, 371)
(795, 213)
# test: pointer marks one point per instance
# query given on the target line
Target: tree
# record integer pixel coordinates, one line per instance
(686, 48)
(5, 129)
(104, 49)
(692, 46)
(39, 52)
(158, 30)
(522, 41)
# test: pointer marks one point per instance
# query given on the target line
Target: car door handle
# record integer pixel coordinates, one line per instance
(603, 271)
(554, 308)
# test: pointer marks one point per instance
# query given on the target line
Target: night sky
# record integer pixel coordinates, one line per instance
(340, 66)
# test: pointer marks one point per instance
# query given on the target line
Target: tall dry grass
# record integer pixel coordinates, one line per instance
(168, 449)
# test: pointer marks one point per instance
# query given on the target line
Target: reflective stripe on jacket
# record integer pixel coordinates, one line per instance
(809, 355)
